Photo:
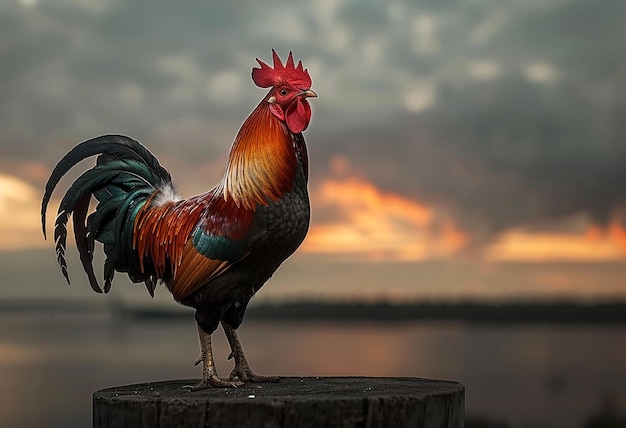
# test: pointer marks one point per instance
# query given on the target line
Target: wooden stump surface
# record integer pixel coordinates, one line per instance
(362, 402)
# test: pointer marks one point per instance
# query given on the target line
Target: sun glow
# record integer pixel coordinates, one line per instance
(593, 243)
(378, 225)
(616, 233)
(19, 214)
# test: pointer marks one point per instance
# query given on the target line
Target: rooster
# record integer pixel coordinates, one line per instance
(213, 251)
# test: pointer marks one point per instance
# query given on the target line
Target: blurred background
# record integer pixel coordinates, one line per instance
(461, 151)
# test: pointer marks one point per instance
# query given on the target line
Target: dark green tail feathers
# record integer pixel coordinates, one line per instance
(124, 177)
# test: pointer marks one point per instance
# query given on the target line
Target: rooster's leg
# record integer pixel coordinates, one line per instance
(242, 370)
(209, 373)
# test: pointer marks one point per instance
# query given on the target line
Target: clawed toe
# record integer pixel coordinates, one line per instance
(242, 370)
(262, 379)
(250, 376)
(213, 382)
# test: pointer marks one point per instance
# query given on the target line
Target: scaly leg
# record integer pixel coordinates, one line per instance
(242, 370)
(209, 373)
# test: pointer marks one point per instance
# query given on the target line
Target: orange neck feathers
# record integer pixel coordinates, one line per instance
(262, 162)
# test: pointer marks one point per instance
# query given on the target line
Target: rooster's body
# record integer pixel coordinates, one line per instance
(213, 251)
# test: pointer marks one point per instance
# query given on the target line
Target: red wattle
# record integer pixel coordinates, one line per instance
(298, 115)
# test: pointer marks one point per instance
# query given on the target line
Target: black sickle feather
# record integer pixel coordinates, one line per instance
(82, 243)
(115, 146)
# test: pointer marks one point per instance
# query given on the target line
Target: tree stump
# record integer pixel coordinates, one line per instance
(293, 402)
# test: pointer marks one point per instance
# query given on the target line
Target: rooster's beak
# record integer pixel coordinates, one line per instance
(308, 94)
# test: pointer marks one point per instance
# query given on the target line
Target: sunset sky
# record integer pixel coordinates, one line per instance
(458, 148)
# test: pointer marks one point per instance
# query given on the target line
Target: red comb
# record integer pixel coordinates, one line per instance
(267, 76)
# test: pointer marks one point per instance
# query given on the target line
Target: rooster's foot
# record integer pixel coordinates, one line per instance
(210, 379)
(213, 382)
(242, 370)
(245, 374)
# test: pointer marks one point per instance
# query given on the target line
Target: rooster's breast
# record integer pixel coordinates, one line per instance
(284, 223)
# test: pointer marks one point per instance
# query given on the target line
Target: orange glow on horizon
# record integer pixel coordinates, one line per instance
(594, 233)
(617, 234)
(454, 237)
(592, 244)
(20, 225)
(378, 225)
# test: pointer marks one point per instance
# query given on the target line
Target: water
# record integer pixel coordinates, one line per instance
(525, 375)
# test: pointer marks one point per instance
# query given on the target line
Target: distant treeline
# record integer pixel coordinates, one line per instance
(477, 312)
(319, 310)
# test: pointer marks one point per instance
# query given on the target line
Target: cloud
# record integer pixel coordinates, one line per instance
(592, 244)
(484, 70)
(419, 99)
(540, 73)
(361, 220)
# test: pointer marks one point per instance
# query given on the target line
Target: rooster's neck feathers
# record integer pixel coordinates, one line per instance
(262, 163)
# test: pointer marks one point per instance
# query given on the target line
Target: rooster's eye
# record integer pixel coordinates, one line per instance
(283, 91)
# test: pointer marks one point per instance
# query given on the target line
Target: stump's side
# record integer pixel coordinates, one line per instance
(293, 402)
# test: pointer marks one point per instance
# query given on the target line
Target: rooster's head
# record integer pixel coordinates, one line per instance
(291, 86)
